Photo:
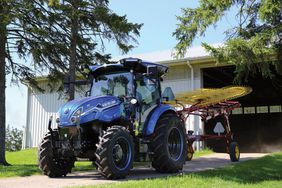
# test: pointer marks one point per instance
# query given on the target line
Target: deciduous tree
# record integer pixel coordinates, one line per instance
(254, 44)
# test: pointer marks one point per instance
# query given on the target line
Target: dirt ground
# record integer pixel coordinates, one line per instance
(93, 178)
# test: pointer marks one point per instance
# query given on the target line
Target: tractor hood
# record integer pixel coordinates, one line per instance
(84, 110)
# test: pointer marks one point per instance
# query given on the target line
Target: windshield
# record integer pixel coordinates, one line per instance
(116, 84)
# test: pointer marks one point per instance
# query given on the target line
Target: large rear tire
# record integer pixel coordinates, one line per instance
(48, 163)
(169, 144)
(114, 154)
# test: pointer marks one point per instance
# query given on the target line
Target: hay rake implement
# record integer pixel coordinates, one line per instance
(209, 104)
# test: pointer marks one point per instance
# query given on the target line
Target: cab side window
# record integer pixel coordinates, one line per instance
(147, 92)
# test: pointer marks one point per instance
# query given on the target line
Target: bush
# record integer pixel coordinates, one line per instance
(14, 138)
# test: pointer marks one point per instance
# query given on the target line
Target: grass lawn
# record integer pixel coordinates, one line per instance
(203, 152)
(24, 163)
(264, 172)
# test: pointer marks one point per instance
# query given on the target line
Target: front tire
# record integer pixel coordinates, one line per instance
(48, 163)
(114, 154)
(169, 144)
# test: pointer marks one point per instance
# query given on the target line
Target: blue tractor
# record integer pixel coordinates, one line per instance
(122, 119)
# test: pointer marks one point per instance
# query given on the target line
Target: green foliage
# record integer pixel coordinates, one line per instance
(53, 2)
(200, 153)
(94, 23)
(42, 30)
(254, 45)
(14, 138)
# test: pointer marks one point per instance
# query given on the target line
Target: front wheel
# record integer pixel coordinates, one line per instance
(169, 144)
(50, 164)
(114, 154)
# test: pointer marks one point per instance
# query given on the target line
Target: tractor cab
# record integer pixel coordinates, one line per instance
(130, 78)
(134, 82)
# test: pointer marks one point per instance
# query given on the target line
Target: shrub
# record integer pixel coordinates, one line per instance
(14, 138)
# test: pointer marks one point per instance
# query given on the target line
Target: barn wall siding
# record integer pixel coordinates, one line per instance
(41, 107)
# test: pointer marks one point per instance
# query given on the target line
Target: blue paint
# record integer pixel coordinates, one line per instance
(152, 120)
(92, 109)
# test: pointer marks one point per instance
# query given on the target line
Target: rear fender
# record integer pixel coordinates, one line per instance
(153, 118)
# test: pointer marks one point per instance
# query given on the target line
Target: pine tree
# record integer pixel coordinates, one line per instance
(58, 38)
(82, 26)
(254, 45)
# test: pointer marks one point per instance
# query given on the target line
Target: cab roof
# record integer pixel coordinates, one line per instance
(128, 64)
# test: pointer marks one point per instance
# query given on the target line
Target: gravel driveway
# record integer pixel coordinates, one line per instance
(93, 178)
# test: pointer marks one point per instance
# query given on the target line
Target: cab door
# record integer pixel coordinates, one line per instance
(148, 97)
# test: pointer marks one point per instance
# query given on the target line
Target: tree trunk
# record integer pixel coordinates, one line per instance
(73, 61)
(3, 40)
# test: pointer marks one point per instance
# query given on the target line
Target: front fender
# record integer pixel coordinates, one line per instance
(154, 116)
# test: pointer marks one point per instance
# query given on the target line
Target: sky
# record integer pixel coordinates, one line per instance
(159, 19)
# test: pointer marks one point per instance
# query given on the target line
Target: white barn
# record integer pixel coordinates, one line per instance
(196, 70)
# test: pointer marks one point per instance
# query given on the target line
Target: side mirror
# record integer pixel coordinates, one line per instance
(168, 94)
(67, 83)
(152, 71)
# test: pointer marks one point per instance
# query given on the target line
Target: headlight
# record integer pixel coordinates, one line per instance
(108, 103)
(75, 116)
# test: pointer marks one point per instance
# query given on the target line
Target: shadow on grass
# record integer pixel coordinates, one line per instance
(19, 170)
(83, 168)
(32, 169)
(253, 171)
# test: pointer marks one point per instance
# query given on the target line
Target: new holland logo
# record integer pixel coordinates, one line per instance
(67, 111)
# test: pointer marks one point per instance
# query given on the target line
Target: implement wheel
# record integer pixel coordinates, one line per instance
(190, 153)
(114, 154)
(169, 144)
(49, 164)
(234, 152)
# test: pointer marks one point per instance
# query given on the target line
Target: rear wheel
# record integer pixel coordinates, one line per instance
(114, 154)
(169, 144)
(49, 164)
(234, 152)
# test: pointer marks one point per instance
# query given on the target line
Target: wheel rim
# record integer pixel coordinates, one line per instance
(175, 144)
(121, 153)
(237, 152)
